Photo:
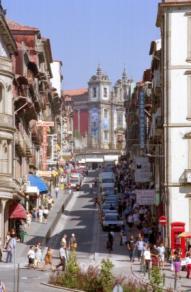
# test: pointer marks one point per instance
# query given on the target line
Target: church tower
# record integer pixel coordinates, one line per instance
(99, 87)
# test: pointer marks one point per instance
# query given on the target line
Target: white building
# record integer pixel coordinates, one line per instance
(174, 20)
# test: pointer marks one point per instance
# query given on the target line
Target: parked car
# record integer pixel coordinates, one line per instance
(112, 222)
(75, 183)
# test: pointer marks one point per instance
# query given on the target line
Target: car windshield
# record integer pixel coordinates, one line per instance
(107, 180)
(73, 180)
(111, 217)
(108, 190)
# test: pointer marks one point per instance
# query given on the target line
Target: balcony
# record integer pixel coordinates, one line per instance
(20, 145)
(6, 121)
(28, 144)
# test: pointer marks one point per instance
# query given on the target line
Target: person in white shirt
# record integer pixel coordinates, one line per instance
(147, 258)
(62, 259)
(161, 252)
(140, 248)
(40, 214)
(31, 256)
(64, 244)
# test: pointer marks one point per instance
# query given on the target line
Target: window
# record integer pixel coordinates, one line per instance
(105, 113)
(94, 92)
(106, 135)
(5, 156)
(189, 97)
(105, 91)
(1, 100)
(189, 37)
(119, 119)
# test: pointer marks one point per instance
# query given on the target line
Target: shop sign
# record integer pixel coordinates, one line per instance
(44, 173)
(45, 123)
(142, 169)
(142, 120)
(145, 197)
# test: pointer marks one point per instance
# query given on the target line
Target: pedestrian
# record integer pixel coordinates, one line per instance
(73, 242)
(38, 256)
(31, 257)
(50, 202)
(48, 257)
(10, 248)
(161, 253)
(123, 238)
(147, 258)
(56, 191)
(110, 239)
(8, 236)
(140, 247)
(40, 214)
(62, 259)
(2, 287)
(28, 219)
(188, 265)
(22, 231)
(177, 265)
(45, 214)
(65, 245)
(131, 248)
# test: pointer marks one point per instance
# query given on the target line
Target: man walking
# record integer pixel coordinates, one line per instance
(10, 248)
(131, 248)
(62, 259)
(56, 191)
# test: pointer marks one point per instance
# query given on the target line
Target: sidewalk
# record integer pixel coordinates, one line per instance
(183, 284)
(41, 232)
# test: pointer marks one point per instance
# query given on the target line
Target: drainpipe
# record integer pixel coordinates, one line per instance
(166, 122)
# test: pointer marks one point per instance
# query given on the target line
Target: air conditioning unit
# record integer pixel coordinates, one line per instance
(188, 176)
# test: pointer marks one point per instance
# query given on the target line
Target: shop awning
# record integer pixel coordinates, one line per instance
(36, 181)
(17, 211)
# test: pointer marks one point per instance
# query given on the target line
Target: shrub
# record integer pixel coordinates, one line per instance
(156, 279)
(106, 277)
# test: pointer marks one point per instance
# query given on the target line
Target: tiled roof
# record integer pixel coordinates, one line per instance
(73, 92)
(16, 26)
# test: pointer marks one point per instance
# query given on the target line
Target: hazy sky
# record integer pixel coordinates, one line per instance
(83, 33)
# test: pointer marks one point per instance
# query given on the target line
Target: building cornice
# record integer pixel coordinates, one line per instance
(162, 7)
(7, 35)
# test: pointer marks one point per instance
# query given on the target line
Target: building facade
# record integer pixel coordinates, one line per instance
(174, 21)
(99, 113)
(8, 188)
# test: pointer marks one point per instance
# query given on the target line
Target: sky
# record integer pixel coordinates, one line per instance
(85, 33)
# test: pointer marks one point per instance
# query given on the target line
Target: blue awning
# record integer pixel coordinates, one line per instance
(36, 181)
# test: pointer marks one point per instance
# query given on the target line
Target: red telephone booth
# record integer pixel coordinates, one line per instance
(176, 242)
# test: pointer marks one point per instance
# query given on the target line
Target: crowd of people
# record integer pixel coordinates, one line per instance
(140, 234)
(36, 259)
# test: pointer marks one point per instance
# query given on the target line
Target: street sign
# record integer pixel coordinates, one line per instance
(163, 220)
(45, 123)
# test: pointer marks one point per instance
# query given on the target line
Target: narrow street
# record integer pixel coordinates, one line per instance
(82, 218)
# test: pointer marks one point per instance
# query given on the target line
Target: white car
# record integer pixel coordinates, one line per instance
(112, 222)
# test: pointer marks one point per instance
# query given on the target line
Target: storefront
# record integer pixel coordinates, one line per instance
(34, 189)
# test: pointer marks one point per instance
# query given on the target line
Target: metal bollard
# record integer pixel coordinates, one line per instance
(175, 282)
(163, 279)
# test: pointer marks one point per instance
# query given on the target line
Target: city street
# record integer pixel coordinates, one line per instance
(81, 218)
